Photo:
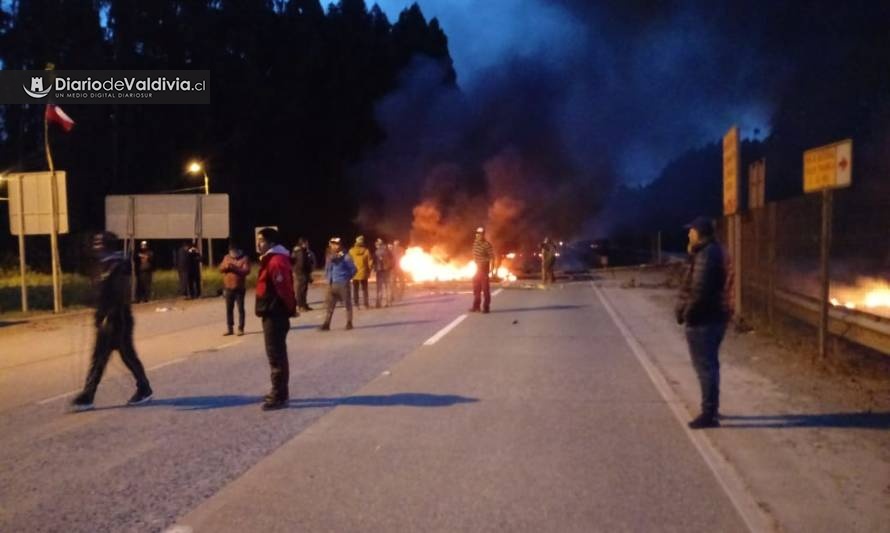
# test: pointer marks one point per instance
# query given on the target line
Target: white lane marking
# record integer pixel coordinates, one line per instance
(495, 293)
(227, 345)
(726, 475)
(168, 363)
(59, 397)
(444, 331)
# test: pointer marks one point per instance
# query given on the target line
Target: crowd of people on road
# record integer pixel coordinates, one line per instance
(704, 305)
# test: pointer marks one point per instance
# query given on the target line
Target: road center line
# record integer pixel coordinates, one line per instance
(726, 474)
(227, 345)
(444, 331)
(495, 293)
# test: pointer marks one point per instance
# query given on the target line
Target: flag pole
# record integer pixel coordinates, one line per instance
(54, 236)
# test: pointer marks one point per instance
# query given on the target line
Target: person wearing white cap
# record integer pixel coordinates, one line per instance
(483, 254)
(338, 272)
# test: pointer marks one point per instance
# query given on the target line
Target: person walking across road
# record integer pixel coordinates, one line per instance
(181, 261)
(383, 266)
(705, 308)
(114, 323)
(338, 271)
(275, 305)
(483, 254)
(235, 268)
(146, 272)
(361, 258)
(304, 263)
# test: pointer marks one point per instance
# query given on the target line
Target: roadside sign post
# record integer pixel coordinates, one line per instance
(22, 263)
(827, 168)
(731, 172)
(39, 206)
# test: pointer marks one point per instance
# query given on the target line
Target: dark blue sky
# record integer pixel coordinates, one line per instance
(659, 81)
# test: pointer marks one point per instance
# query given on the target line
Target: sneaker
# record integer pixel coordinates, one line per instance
(228, 333)
(324, 327)
(82, 402)
(703, 421)
(349, 325)
(485, 311)
(272, 405)
(140, 397)
(240, 332)
(473, 310)
(307, 308)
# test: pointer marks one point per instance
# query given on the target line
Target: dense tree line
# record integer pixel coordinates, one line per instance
(293, 89)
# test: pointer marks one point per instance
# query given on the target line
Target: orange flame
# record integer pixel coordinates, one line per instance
(869, 293)
(423, 266)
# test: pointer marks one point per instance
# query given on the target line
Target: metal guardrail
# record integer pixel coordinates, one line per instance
(853, 325)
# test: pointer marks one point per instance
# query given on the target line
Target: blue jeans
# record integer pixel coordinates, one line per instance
(704, 347)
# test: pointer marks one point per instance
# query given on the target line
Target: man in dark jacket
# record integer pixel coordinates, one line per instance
(548, 260)
(194, 271)
(275, 304)
(181, 261)
(114, 323)
(383, 267)
(146, 272)
(705, 308)
(304, 264)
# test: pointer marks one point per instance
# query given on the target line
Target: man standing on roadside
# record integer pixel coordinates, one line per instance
(275, 305)
(361, 258)
(705, 308)
(338, 271)
(383, 265)
(114, 323)
(146, 272)
(397, 279)
(304, 264)
(483, 254)
(235, 268)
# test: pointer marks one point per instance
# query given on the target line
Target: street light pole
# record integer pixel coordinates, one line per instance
(209, 240)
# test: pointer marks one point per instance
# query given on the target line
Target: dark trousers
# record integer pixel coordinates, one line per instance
(143, 286)
(234, 296)
(194, 284)
(183, 282)
(704, 347)
(338, 292)
(547, 273)
(397, 282)
(384, 288)
(275, 335)
(115, 334)
(363, 285)
(481, 287)
(302, 291)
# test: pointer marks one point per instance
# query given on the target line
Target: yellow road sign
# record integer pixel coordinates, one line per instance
(731, 171)
(828, 167)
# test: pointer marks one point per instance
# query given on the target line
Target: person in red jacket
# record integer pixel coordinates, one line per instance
(235, 268)
(275, 304)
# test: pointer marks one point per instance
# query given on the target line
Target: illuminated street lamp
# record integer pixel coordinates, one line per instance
(197, 168)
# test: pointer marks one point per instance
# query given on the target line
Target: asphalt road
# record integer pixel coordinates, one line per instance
(536, 417)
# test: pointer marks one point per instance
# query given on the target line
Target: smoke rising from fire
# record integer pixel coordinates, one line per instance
(499, 156)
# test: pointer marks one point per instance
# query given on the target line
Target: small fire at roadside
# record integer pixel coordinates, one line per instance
(869, 294)
(423, 266)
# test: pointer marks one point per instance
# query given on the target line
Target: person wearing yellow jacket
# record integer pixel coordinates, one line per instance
(361, 257)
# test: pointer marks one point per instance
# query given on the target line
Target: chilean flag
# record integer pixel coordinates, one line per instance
(55, 114)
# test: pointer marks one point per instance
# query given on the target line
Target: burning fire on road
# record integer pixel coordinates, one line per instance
(423, 266)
